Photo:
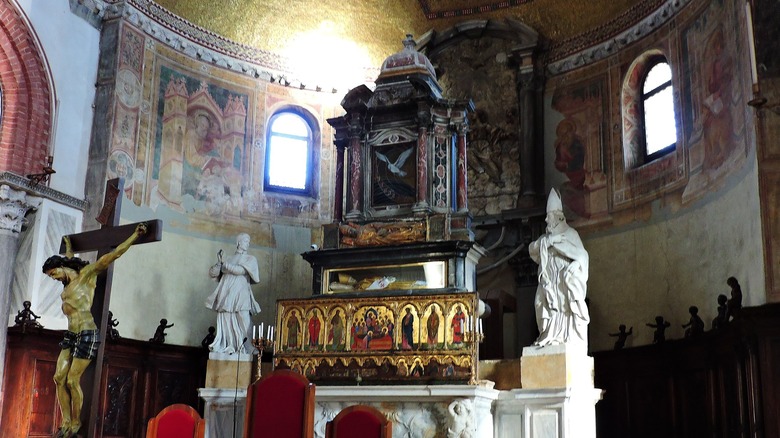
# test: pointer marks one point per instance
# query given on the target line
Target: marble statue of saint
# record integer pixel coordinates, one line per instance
(561, 312)
(233, 299)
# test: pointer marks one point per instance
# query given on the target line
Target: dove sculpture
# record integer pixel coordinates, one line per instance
(395, 167)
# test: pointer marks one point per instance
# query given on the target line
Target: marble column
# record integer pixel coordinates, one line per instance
(14, 205)
(424, 119)
(338, 192)
(462, 170)
(528, 85)
(355, 208)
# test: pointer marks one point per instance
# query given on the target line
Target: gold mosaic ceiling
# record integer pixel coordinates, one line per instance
(380, 25)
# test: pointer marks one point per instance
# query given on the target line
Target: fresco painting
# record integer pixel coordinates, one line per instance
(578, 149)
(714, 112)
(200, 143)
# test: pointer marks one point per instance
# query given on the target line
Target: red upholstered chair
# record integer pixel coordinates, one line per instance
(176, 421)
(280, 405)
(359, 421)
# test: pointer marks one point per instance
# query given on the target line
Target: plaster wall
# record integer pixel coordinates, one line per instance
(664, 235)
(169, 279)
(682, 259)
(70, 46)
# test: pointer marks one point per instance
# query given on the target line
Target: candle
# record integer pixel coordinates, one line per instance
(751, 43)
(480, 327)
(260, 332)
(272, 332)
(254, 331)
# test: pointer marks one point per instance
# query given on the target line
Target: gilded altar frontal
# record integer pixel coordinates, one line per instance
(423, 338)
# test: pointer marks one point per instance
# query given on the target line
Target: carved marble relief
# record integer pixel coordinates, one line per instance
(479, 69)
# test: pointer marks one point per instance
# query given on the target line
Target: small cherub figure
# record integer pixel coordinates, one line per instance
(695, 325)
(113, 333)
(734, 303)
(622, 335)
(26, 317)
(722, 319)
(660, 329)
(159, 334)
(209, 337)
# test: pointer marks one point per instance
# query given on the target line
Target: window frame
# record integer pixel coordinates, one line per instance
(651, 63)
(309, 189)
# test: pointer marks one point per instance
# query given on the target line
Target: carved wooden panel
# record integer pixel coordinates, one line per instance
(721, 384)
(138, 380)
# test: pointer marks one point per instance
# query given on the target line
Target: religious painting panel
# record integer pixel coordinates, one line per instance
(714, 108)
(313, 333)
(436, 340)
(372, 329)
(336, 330)
(578, 150)
(391, 180)
(394, 176)
(432, 322)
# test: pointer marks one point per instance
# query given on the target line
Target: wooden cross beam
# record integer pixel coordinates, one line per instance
(104, 240)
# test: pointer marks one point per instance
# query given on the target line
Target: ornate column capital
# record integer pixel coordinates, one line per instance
(14, 205)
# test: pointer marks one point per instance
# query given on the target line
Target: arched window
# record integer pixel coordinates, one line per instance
(289, 152)
(660, 128)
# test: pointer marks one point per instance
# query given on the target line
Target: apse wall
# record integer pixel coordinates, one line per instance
(186, 129)
(664, 235)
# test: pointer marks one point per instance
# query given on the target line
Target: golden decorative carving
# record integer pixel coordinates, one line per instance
(401, 337)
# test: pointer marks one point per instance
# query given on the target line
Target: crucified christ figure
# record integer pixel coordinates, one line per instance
(81, 341)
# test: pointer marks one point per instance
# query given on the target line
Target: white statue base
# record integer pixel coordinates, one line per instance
(224, 411)
(227, 378)
(557, 399)
(547, 413)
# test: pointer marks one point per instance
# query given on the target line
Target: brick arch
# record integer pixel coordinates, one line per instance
(25, 127)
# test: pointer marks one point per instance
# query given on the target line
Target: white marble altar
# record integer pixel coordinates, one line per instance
(424, 411)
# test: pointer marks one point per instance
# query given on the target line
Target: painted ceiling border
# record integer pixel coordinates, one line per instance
(490, 7)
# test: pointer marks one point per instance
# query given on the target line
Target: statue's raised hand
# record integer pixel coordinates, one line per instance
(141, 228)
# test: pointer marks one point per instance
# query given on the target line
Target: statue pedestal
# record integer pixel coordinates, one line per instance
(547, 413)
(556, 366)
(557, 399)
(227, 378)
(228, 370)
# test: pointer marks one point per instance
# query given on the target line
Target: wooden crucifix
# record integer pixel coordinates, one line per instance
(110, 241)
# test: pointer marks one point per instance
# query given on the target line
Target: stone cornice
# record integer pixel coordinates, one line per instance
(23, 184)
(577, 52)
(197, 42)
